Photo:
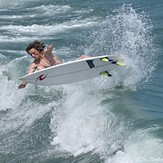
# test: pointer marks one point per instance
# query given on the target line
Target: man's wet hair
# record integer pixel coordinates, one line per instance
(38, 45)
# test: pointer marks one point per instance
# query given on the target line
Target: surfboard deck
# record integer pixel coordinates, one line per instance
(74, 71)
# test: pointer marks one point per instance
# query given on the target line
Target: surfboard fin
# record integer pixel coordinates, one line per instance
(105, 73)
(118, 62)
(105, 59)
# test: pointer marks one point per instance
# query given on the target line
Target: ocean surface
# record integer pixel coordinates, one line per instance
(102, 120)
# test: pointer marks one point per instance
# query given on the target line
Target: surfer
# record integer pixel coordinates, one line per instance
(43, 58)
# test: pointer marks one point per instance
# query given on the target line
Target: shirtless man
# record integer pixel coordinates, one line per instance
(43, 58)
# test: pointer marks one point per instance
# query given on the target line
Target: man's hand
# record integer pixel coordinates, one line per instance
(49, 49)
(22, 85)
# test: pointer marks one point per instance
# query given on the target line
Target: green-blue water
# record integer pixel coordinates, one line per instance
(110, 120)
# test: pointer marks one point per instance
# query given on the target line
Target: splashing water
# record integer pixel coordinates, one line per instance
(128, 34)
(85, 125)
(82, 125)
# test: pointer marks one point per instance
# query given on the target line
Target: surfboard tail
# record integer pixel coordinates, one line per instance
(119, 62)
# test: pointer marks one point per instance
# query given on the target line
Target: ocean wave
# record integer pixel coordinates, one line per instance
(101, 117)
(47, 30)
(43, 11)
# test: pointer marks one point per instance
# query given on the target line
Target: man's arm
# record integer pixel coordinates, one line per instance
(31, 69)
(49, 51)
(57, 60)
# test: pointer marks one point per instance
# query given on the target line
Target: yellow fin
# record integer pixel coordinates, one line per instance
(120, 63)
(105, 73)
(104, 59)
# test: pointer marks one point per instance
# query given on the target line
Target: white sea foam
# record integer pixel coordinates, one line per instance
(9, 94)
(83, 124)
(50, 9)
(21, 111)
(6, 4)
(45, 10)
(140, 147)
(18, 38)
(34, 30)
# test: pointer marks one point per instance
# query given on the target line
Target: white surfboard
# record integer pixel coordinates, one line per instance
(75, 71)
